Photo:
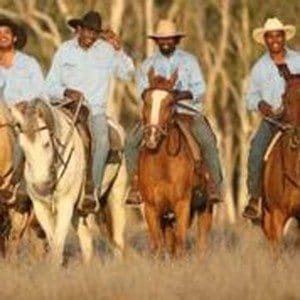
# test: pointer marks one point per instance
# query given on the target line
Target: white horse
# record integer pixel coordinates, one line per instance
(55, 174)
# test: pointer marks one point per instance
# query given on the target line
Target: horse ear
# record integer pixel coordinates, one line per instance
(151, 76)
(45, 112)
(174, 77)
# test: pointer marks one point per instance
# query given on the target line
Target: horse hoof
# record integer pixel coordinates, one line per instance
(252, 214)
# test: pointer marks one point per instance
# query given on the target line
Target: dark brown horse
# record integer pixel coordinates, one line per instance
(281, 180)
(166, 172)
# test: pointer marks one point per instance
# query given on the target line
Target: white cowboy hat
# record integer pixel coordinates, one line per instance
(273, 24)
(166, 29)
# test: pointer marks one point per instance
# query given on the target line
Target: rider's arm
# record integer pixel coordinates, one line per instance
(197, 83)
(37, 81)
(253, 94)
(54, 86)
(142, 77)
(124, 67)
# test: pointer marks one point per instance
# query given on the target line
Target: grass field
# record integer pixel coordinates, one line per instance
(238, 265)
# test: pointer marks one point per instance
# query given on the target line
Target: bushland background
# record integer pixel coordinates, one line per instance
(219, 34)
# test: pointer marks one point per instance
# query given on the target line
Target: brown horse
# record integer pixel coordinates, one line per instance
(281, 180)
(166, 172)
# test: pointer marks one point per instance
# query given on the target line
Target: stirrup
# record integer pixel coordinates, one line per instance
(133, 199)
(252, 213)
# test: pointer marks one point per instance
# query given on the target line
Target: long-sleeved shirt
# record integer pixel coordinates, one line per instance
(22, 81)
(190, 75)
(88, 71)
(266, 83)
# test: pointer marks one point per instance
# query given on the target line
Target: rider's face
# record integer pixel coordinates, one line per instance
(87, 37)
(167, 45)
(275, 41)
(7, 38)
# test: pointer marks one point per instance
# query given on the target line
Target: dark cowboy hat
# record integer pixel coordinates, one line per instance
(17, 31)
(91, 20)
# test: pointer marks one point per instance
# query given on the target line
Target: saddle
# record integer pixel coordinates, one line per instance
(115, 131)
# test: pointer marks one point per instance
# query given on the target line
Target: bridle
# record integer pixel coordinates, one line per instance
(161, 128)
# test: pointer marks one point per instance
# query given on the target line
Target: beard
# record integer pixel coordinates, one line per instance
(167, 50)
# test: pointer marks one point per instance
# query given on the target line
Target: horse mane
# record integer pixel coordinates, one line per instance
(39, 108)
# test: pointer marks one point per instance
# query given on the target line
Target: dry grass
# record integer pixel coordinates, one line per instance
(238, 266)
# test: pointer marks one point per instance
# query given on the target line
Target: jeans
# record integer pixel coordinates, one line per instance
(258, 147)
(101, 147)
(207, 141)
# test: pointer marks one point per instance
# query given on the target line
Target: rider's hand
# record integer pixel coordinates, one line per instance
(182, 95)
(73, 94)
(265, 108)
(109, 36)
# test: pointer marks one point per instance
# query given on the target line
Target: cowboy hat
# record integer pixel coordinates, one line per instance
(91, 20)
(273, 24)
(166, 29)
(18, 31)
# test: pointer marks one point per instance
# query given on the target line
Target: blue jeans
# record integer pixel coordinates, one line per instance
(202, 133)
(258, 147)
(101, 147)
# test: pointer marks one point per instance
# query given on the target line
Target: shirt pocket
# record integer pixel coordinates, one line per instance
(70, 73)
(98, 69)
(21, 79)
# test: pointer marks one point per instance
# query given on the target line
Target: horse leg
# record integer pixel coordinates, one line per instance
(273, 225)
(85, 239)
(154, 227)
(36, 237)
(46, 219)
(204, 224)
(117, 211)
(19, 223)
(169, 237)
(182, 213)
(65, 208)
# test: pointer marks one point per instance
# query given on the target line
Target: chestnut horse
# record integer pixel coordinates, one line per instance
(166, 172)
(281, 178)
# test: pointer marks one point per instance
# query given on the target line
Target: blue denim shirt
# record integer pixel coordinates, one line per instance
(266, 83)
(190, 75)
(88, 71)
(23, 80)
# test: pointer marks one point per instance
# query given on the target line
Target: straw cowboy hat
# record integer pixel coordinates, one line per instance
(18, 31)
(166, 29)
(273, 24)
(91, 19)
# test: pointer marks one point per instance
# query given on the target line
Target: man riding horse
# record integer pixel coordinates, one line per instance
(21, 77)
(190, 87)
(267, 85)
(82, 68)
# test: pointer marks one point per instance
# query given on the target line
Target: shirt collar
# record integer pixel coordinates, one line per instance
(287, 54)
(175, 54)
(17, 61)
(77, 46)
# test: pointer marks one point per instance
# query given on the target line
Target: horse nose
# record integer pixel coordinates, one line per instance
(152, 139)
(44, 189)
(151, 144)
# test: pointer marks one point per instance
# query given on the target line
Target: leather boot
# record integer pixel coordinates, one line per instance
(213, 195)
(89, 203)
(90, 200)
(134, 197)
(251, 211)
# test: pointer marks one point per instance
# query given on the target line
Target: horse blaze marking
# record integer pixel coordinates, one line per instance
(158, 97)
